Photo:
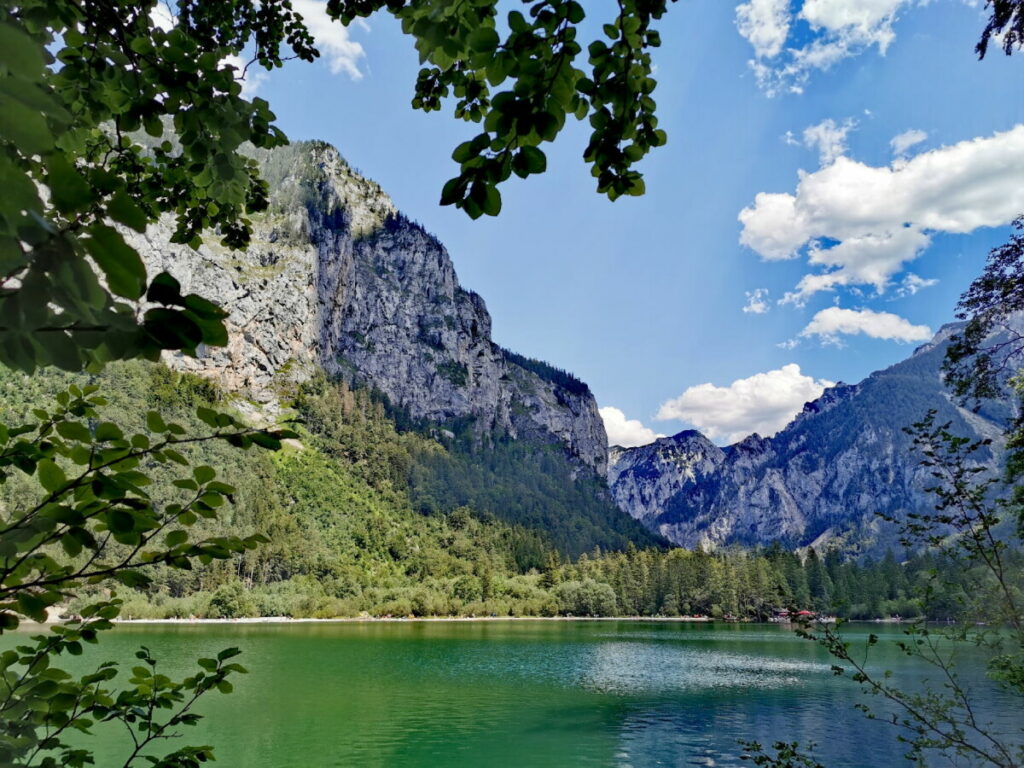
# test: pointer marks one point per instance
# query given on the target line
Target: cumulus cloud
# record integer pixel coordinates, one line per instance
(763, 403)
(904, 141)
(627, 433)
(862, 223)
(913, 283)
(332, 39)
(757, 302)
(765, 24)
(838, 29)
(829, 324)
(829, 138)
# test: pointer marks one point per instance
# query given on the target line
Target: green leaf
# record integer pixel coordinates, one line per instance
(176, 538)
(133, 578)
(109, 431)
(61, 350)
(492, 201)
(155, 422)
(123, 210)
(164, 289)
(71, 545)
(22, 55)
(68, 188)
(203, 474)
(72, 430)
(120, 521)
(24, 126)
(32, 606)
(529, 160)
(51, 476)
(172, 329)
(483, 39)
(121, 264)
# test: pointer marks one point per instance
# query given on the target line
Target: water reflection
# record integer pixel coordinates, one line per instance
(622, 694)
(642, 669)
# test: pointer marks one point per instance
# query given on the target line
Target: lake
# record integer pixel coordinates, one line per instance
(521, 693)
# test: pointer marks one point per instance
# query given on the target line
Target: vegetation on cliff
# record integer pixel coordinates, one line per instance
(362, 518)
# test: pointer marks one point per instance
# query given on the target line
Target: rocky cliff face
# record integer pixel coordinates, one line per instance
(823, 478)
(336, 278)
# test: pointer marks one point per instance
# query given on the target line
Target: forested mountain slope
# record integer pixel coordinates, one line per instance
(353, 528)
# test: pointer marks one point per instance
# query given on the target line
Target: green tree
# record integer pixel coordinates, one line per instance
(114, 113)
(967, 536)
(110, 115)
(94, 522)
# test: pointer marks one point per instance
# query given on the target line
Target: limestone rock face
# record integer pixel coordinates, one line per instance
(646, 478)
(336, 278)
(822, 479)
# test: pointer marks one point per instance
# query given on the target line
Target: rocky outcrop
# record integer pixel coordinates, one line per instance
(645, 479)
(337, 279)
(822, 479)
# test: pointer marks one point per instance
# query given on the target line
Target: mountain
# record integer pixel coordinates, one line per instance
(337, 281)
(822, 479)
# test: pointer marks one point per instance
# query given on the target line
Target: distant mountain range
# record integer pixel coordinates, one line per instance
(821, 480)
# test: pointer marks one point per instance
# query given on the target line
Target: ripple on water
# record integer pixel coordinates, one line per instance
(638, 668)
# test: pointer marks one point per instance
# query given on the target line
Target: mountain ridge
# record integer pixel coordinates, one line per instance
(820, 480)
(362, 292)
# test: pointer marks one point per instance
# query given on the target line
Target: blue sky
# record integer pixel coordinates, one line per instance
(644, 298)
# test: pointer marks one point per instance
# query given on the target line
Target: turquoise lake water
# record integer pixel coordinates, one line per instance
(523, 693)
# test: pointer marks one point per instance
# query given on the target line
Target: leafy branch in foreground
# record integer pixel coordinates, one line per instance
(990, 347)
(784, 755)
(943, 718)
(94, 523)
(114, 114)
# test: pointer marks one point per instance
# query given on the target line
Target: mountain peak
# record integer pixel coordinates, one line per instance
(365, 294)
(828, 473)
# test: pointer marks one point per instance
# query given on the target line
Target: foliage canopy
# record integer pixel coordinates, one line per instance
(114, 114)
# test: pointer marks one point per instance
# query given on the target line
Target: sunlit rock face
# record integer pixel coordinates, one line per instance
(336, 278)
(821, 480)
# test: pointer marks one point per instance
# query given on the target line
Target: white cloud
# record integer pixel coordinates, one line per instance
(864, 223)
(913, 283)
(904, 141)
(839, 29)
(830, 323)
(757, 302)
(332, 39)
(829, 138)
(763, 403)
(627, 433)
(765, 24)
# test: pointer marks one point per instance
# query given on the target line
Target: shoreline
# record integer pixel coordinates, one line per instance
(413, 619)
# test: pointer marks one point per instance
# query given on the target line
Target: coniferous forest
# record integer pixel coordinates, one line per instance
(364, 519)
